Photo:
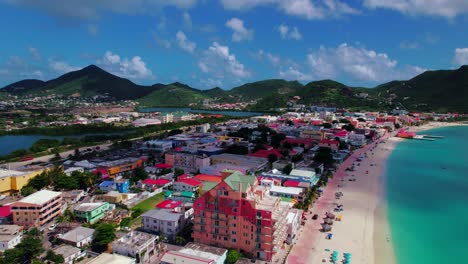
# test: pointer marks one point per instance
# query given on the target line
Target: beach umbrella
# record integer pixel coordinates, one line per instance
(328, 221)
(330, 215)
(326, 228)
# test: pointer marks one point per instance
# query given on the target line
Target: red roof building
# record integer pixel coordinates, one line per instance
(163, 166)
(158, 182)
(5, 211)
(291, 183)
(263, 153)
(168, 204)
(208, 178)
(183, 177)
(329, 143)
(191, 182)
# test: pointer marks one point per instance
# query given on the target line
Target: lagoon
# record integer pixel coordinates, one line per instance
(427, 196)
(189, 110)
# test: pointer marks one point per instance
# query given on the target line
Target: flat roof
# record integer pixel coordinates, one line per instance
(86, 207)
(302, 173)
(9, 173)
(287, 190)
(162, 215)
(40, 197)
(175, 257)
(78, 234)
(66, 250)
(106, 258)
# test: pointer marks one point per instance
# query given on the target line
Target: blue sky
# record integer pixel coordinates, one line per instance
(225, 43)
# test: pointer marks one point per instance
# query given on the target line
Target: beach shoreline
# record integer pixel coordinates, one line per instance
(364, 230)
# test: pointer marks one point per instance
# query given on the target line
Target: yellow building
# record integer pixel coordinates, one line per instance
(12, 181)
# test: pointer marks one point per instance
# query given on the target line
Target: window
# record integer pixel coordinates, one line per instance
(169, 223)
(234, 225)
(226, 193)
(234, 240)
(233, 232)
(234, 217)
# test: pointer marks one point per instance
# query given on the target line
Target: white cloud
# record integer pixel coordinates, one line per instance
(34, 52)
(93, 29)
(308, 9)
(61, 67)
(409, 45)
(273, 59)
(210, 83)
(91, 9)
(134, 68)
(184, 43)
(161, 41)
(461, 56)
(219, 62)
(447, 9)
(187, 20)
(292, 73)
(288, 33)
(240, 32)
(358, 64)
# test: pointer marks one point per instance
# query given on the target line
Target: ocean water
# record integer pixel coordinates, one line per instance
(427, 194)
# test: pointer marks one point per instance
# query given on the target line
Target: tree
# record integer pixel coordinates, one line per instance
(327, 125)
(296, 158)
(324, 155)
(348, 127)
(51, 256)
(287, 169)
(272, 158)
(178, 172)
(276, 139)
(237, 149)
(360, 119)
(180, 240)
(27, 190)
(344, 121)
(65, 182)
(343, 145)
(138, 175)
(104, 234)
(30, 246)
(232, 256)
(287, 145)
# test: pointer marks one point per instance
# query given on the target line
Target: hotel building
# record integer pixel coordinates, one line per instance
(239, 214)
(37, 208)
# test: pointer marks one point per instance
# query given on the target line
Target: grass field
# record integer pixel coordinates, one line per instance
(149, 203)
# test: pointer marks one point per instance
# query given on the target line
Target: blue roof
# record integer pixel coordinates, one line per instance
(106, 183)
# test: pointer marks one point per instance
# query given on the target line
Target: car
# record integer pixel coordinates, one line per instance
(52, 227)
(315, 217)
(81, 199)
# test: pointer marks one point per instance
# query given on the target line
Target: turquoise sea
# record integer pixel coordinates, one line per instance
(427, 194)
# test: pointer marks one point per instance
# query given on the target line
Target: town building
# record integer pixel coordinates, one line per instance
(168, 222)
(357, 140)
(122, 185)
(78, 237)
(253, 163)
(72, 196)
(10, 236)
(118, 167)
(188, 162)
(195, 253)
(158, 145)
(91, 212)
(142, 122)
(238, 214)
(37, 208)
(190, 185)
(330, 143)
(12, 181)
(5, 215)
(106, 258)
(293, 223)
(135, 244)
(107, 186)
(69, 253)
(152, 185)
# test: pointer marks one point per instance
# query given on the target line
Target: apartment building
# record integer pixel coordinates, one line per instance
(119, 167)
(138, 245)
(188, 162)
(239, 214)
(37, 208)
(158, 145)
(253, 163)
(10, 236)
(163, 221)
(92, 212)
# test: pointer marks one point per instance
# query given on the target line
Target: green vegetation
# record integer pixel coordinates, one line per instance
(149, 203)
(27, 251)
(324, 155)
(287, 169)
(103, 236)
(233, 256)
(173, 95)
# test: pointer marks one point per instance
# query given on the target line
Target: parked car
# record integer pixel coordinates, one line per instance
(315, 217)
(52, 227)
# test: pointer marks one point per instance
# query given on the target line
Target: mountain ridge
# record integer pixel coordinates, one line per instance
(431, 90)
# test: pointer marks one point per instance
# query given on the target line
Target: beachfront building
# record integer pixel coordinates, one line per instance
(138, 245)
(195, 253)
(301, 175)
(37, 208)
(357, 140)
(91, 212)
(238, 214)
(287, 192)
(188, 162)
(78, 237)
(294, 218)
(10, 236)
(253, 163)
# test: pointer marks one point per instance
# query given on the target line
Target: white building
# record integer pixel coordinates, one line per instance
(287, 192)
(163, 221)
(195, 253)
(158, 145)
(357, 139)
(139, 245)
(10, 236)
(106, 258)
(293, 224)
(78, 237)
(70, 170)
(142, 122)
(69, 253)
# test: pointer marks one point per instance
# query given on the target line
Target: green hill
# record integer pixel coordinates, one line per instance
(443, 90)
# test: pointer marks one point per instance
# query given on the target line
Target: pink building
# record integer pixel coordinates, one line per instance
(37, 208)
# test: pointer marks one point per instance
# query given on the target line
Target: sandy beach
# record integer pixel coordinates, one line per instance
(364, 230)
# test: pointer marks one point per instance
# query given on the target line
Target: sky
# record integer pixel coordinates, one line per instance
(226, 43)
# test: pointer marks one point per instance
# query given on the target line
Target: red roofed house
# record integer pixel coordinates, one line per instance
(162, 166)
(190, 185)
(329, 143)
(308, 142)
(183, 177)
(169, 205)
(263, 153)
(5, 215)
(291, 183)
(208, 178)
(151, 184)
